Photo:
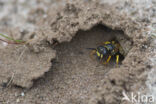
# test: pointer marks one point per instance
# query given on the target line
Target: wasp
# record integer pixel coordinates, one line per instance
(107, 50)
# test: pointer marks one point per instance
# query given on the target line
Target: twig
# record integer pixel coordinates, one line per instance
(12, 42)
(21, 55)
(12, 77)
(11, 39)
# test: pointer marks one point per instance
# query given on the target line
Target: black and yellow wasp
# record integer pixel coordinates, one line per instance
(106, 50)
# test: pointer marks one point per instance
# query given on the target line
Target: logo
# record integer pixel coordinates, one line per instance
(137, 98)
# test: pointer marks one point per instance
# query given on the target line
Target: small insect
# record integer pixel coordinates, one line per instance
(106, 50)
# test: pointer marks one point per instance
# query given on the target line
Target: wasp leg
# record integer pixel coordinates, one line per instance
(92, 53)
(101, 57)
(107, 60)
(117, 59)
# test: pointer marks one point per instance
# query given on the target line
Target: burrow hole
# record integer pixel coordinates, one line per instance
(74, 69)
(74, 75)
(76, 51)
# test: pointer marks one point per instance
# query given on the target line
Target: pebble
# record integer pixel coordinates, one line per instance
(22, 94)
(17, 100)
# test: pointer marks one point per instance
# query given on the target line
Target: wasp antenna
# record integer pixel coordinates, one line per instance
(91, 48)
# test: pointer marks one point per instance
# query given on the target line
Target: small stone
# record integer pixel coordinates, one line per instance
(22, 94)
(17, 100)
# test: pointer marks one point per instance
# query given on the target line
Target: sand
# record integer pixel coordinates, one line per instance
(40, 72)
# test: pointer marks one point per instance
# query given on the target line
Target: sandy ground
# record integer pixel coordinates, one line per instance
(65, 74)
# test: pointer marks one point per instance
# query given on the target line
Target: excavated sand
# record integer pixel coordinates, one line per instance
(64, 73)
